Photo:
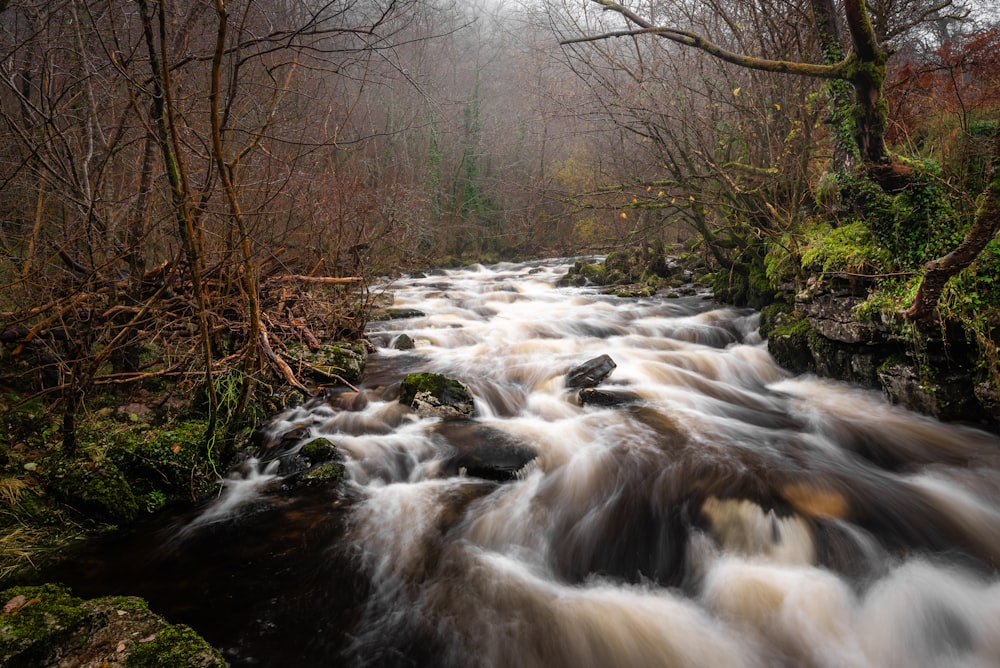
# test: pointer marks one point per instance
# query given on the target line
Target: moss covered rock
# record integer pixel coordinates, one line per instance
(331, 472)
(319, 450)
(788, 343)
(99, 489)
(344, 360)
(46, 625)
(435, 395)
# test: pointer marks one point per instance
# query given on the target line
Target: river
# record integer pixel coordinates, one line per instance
(721, 512)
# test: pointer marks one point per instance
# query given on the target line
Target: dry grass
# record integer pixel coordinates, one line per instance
(26, 544)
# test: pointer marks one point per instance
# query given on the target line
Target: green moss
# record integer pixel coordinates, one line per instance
(329, 472)
(793, 327)
(46, 617)
(850, 248)
(789, 343)
(45, 625)
(593, 272)
(100, 489)
(164, 463)
(745, 284)
(346, 360)
(448, 390)
(769, 316)
(176, 646)
(318, 450)
(633, 292)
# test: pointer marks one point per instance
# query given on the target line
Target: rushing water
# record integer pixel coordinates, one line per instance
(725, 513)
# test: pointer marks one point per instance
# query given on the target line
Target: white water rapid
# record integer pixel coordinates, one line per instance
(722, 513)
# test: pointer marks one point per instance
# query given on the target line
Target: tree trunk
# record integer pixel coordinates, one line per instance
(867, 76)
(985, 225)
(161, 112)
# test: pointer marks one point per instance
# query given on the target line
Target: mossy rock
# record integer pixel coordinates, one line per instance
(330, 472)
(403, 342)
(788, 343)
(634, 291)
(176, 646)
(436, 395)
(346, 360)
(770, 316)
(46, 625)
(319, 450)
(98, 489)
(583, 272)
(165, 464)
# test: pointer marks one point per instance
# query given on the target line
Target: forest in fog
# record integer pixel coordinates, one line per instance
(191, 187)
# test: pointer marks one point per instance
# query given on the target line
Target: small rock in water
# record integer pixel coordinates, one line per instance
(435, 395)
(403, 342)
(592, 397)
(590, 373)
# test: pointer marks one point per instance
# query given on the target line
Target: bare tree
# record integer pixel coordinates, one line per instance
(857, 57)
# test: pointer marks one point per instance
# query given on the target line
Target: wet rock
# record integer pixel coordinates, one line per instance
(590, 396)
(46, 626)
(435, 395)
(832, 316)
(484, 452)
(329, 473)
(947, 398)
(403, 342)
(590, 373)
(319, 450)
(135, 412)
(823, 335)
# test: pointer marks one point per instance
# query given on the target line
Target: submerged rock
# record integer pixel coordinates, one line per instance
(590, 373)
(435, 395)
(484, 452)
(590, 396)
(47, 626)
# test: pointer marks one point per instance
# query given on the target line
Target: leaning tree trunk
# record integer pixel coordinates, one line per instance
(985, 225)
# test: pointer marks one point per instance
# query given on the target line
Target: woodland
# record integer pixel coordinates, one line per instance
(199, 197)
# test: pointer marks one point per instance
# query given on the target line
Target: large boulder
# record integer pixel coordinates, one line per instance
(483, 452)
(590, 373)
(47, 626)
(436, 395)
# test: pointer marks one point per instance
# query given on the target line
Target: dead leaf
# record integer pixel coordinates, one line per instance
(14, 604)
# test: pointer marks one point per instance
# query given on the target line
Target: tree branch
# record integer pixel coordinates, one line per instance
(839, 70)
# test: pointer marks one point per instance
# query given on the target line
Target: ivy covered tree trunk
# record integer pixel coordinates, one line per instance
(867, 75)
(985, 225)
